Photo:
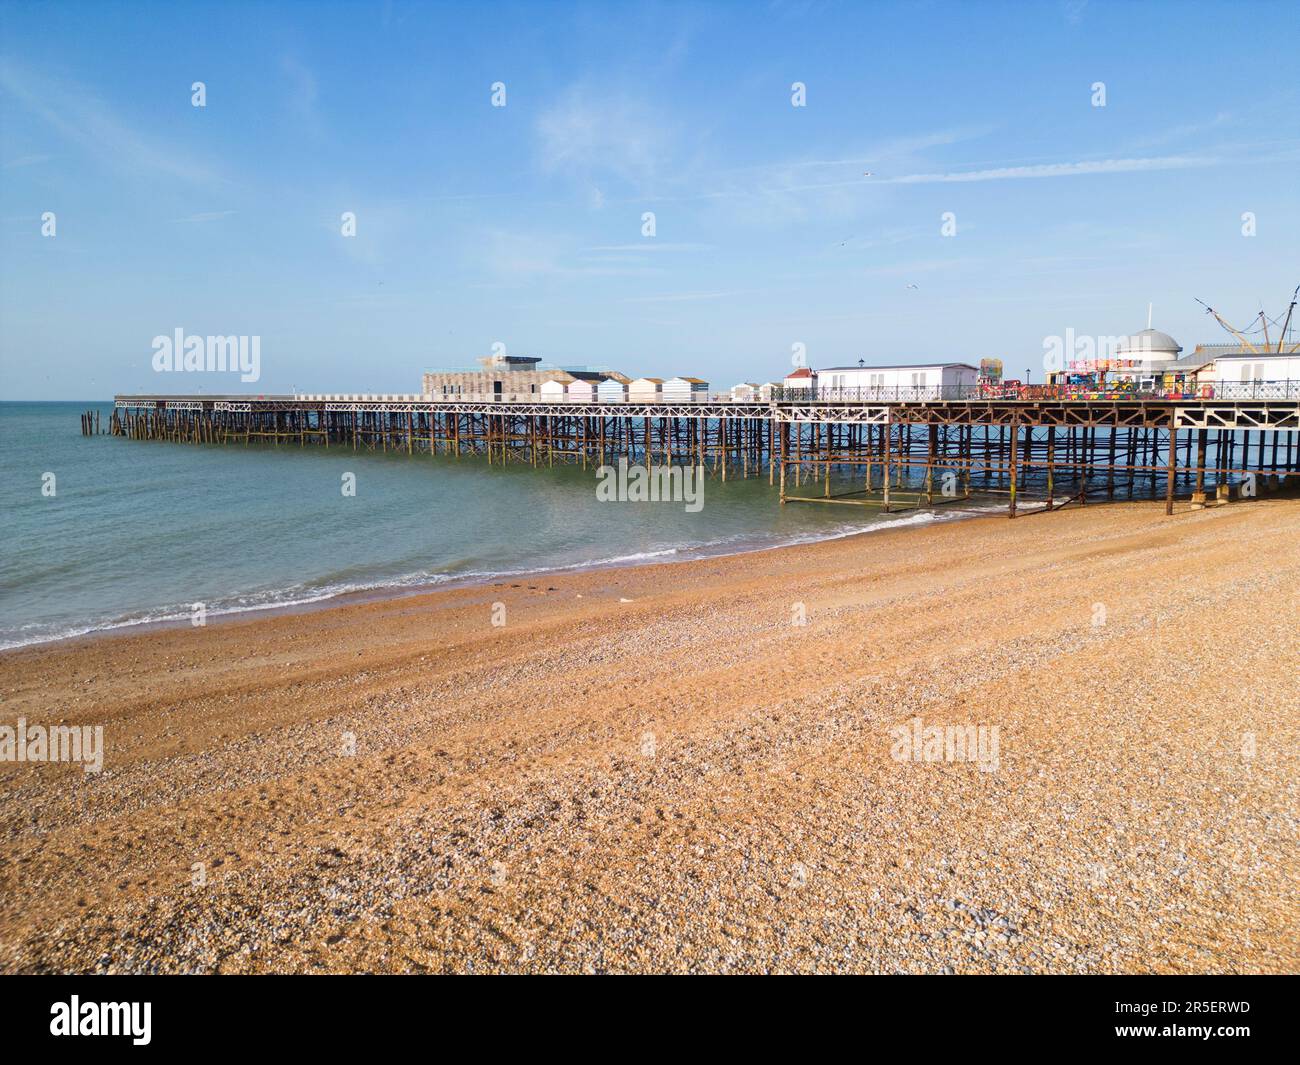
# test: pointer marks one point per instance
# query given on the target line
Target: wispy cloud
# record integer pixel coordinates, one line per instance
(204, 216)
(304, 91)
(1049, 170)
(919, 267)
(787, 188)
(649, 246)
(25, 160)
(892, 150)
(678, 297)
(595, 137)
(514, 256)
(78, 114)
(1183, 132)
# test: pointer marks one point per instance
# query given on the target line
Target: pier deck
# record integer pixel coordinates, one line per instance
(892, 453)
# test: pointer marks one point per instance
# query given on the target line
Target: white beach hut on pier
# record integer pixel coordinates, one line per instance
(684, 389)
(553, 391)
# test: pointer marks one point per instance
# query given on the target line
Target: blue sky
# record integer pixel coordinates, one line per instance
(523, 224)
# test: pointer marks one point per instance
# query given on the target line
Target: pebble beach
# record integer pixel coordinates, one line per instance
(695, 767)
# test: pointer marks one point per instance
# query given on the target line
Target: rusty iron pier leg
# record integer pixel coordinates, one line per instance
(1051, 464)
(785, 436)
(929, 465)
(1198, 493)
(1169, 472)
(1011, 471)
(885, 435)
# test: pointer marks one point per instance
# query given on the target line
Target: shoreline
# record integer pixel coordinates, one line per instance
(392, 589)
(658, 768)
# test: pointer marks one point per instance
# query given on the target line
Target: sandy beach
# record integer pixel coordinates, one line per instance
(658, 769)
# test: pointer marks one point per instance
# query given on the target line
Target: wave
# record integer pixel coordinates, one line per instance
(413, 583)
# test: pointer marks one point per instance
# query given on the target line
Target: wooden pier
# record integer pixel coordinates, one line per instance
(893, 455)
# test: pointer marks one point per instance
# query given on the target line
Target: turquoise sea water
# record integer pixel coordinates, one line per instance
(140, 530)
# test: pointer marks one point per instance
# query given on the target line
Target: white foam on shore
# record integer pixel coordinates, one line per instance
(415, 583)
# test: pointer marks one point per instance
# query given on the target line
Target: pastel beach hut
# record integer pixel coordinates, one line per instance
(646, 390)
(612, 390)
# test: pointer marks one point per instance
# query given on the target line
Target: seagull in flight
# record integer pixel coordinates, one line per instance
(910, 285)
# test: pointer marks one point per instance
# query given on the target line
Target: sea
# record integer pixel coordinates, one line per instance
(103, 532)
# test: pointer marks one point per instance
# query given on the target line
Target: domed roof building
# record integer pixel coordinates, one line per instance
(1149, 353)
(1150, 345)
